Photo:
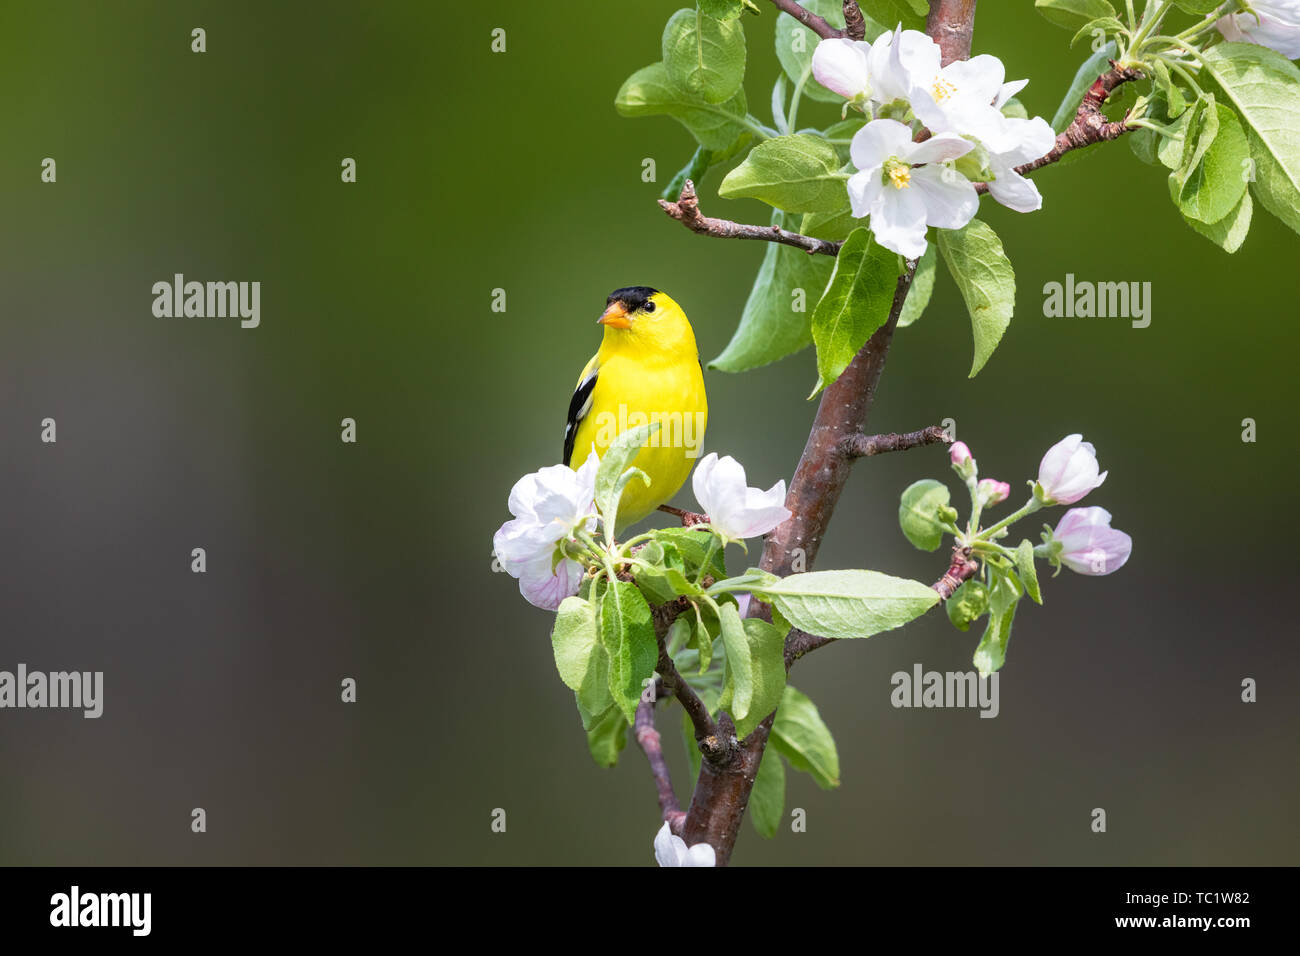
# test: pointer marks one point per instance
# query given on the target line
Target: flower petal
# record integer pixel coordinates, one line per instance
(950, 198)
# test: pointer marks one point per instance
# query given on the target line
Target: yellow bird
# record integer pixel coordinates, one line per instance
(648, 369)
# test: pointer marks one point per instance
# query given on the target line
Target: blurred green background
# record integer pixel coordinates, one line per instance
(479, 171)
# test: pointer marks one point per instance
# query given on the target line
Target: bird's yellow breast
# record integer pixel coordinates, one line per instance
(633, 389)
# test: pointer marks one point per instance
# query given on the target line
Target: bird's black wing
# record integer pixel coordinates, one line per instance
(579, 405)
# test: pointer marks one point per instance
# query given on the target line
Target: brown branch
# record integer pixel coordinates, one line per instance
(688, 518)
(722, 792)
(714, 743)
(687, 211)
(816, 24)
(1089, 125)
(647, 737)
(855, 24)
(859, 445)
(962, 568)
(951, 24)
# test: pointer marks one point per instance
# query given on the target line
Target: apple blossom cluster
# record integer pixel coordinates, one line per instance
(549, 543)
(1083, 540)
(904, 186)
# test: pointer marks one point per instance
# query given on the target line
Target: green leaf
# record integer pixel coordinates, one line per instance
(1198, 7)
(722, 9)
(650, 92)
(1073, 14)
(1028, 573)
(1264, 88)
(1172, 100)
(918, 296)
(770, 327)
(607, 737)
(795, 44)
(918, 513)
(856, 302)
(991, 653)
(612, 476)
(848, 604)
(800, 735)
(767, 799)
(581, 659)
(693, 545)
(799, 173)
(986, 280)
(968, 603)
(1084, 77)
(628, 636)
(1105, 24)
(704, 56)
(1230, 231)
(910, 13)
(828, 225)
(663, 584)
(1211, 189)
(1014, 109)
(755, 676)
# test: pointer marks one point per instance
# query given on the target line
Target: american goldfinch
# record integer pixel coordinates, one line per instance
(647, 370)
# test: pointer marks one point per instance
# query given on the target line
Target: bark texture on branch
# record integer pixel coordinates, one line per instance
(859, 445)
(647, 738)
(951, 24)
(722, 793)
(687, 211)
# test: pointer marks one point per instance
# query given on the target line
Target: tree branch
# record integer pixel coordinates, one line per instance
(722, 792)
(715, 744)
(816, 24)
(951, 24)
(688, 518)
(647, 737)
(859, 445)
(855, 24)
(1089, 125)
(687, 211)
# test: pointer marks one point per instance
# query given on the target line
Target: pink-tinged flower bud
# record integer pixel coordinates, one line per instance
(993, 492)
(1271, 23)
(962, 462)
(1088, 544)
(840, 64)
(1068, 471)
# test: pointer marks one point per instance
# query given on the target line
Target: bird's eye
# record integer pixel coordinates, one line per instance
(649, 307)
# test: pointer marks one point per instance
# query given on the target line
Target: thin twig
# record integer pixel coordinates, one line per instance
(713, 745)
(688, 518)
(687, 211)
(855, 24)
(1089, 125)
(859, 445)
(816, 24)
(647, 738)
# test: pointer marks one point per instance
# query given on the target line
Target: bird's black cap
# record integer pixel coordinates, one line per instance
(634, 297)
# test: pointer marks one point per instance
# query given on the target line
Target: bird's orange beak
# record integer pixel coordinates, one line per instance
(615, 317)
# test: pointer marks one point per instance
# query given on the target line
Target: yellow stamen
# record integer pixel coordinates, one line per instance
(942, 89)
(901, 176)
